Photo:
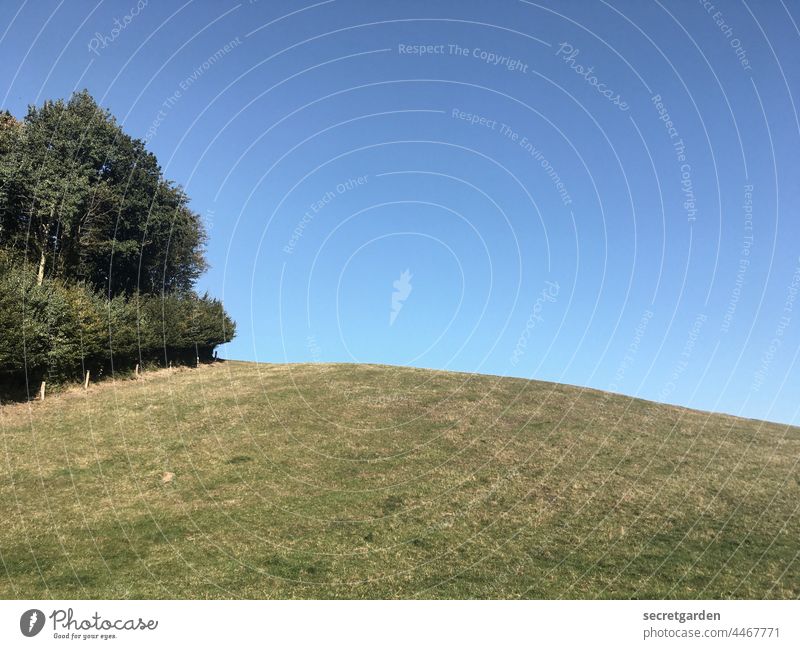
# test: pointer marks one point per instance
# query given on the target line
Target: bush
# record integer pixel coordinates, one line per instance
(55, 331)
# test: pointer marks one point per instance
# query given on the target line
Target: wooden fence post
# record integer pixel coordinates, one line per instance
(86, 381)
(41, 391)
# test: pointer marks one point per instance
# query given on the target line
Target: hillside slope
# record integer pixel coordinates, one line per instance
(279, 481)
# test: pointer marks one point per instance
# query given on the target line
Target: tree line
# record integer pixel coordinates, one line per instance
(99, 253)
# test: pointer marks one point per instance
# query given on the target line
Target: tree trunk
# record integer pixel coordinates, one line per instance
(40, 276)
(43, 245)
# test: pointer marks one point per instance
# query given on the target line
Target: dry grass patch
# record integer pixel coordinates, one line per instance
(265, 481)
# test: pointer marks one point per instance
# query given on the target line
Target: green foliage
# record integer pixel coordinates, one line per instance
(99, 252)
(84, 201)
(57, 330)
(23, 324)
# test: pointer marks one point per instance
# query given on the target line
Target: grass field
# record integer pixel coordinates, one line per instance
(240, 480)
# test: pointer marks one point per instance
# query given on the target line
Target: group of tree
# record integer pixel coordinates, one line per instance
(99, 253)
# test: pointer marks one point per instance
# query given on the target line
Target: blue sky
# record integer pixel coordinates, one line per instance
(601, 194)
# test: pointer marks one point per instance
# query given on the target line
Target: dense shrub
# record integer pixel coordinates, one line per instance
(55, 331)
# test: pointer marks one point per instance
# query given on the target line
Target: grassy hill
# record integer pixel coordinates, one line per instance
(240, 480)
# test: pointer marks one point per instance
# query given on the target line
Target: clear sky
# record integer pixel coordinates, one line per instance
(601, 194)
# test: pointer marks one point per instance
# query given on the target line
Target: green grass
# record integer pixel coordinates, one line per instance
(358, 481)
